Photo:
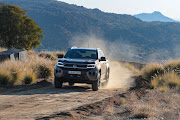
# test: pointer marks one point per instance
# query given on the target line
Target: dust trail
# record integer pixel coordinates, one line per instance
(112, 49)
(120, 77)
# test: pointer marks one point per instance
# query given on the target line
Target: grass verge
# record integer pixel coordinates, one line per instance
(14, 72)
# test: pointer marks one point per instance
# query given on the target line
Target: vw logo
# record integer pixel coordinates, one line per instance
(74, 66)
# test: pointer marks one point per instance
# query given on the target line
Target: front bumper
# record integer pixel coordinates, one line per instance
(86, 76)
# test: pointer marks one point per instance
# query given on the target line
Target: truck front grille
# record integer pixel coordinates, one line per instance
(74, 66)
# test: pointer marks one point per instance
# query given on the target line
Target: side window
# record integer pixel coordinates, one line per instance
(99, 54)
(102, 54)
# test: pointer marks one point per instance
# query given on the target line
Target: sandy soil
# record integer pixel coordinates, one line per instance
(45, 101)
(39, 102)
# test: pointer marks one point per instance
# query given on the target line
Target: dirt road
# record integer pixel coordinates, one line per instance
(45, 101)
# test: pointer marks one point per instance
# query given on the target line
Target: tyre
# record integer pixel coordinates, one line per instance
(105, 84)
(107, 75)
(96, 84)
(57, 83)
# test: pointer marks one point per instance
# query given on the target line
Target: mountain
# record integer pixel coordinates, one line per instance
(155, 16)
(133, 38)
(177, 19)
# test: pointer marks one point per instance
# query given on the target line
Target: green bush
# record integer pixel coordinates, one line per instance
(152, 70)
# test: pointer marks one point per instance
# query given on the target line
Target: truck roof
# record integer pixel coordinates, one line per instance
(86, 48)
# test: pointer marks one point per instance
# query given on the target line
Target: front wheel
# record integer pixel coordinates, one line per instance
(57, 83)
(96, 84)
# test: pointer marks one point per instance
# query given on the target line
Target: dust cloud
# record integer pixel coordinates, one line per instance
(115, 50)
(120, 77)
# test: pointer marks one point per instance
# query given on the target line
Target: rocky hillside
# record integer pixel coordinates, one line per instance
(62, 22)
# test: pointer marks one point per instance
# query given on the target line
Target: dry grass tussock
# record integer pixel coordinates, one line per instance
(27, 71)
(151, 70)
(51, 55)
(173, 65)
(143, 111)
(165, 81)
(163, 76)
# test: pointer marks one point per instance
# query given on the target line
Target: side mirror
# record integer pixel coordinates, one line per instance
(102, 59)
(60, 56)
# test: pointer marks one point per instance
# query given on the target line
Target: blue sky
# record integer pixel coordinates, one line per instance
(170, 8)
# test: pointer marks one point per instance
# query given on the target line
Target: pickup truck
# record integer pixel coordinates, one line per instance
(82, 65)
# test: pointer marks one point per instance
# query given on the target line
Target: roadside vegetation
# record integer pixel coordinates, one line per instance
(28, 71)
(162, 76)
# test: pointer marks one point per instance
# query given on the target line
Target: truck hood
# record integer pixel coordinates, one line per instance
(82, 61)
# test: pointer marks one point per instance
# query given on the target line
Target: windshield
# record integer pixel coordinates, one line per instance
(81, 54)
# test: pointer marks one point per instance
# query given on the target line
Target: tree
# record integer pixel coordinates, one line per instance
(17, 30)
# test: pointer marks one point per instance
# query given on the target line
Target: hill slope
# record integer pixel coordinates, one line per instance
(155, 16)
(62, 22)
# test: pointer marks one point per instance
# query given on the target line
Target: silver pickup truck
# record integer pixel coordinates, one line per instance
(82, 65)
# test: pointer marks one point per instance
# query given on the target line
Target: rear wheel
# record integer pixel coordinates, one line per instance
(107, 75)
(96, 84)
(57, 83)
(105, 84)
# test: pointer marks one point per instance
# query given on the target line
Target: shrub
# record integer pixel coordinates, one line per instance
(154, 82)
(44, 71)
(169, 79)
(48, 55)
(152, 70)
(5, 77)
(29, 78)
(11, 75)
(172, 65)
(143, 111)
(174, 79)
(16, 73)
